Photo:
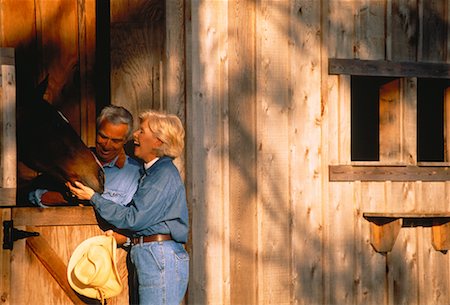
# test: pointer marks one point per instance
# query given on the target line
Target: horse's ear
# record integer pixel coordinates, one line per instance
(40, 90)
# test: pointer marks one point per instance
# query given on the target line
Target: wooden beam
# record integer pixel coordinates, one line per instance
(382, 217)
(65, 216)
(54, 265)
(388, 173)
(388, 68)
(7, 56)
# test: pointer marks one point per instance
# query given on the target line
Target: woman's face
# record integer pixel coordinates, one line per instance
(145, 142)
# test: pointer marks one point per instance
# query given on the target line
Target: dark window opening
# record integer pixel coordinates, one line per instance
(365, 117)
(430, 119)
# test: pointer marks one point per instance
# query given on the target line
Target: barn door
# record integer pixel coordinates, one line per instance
(34, 270)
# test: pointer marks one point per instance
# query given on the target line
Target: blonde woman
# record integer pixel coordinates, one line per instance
(157, 217)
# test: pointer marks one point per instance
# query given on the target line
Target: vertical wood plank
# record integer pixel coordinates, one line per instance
(8, 141)
(371, 265)
(434, 29)
(390, 118)
(208, 158)
(436, 263)
(446, 202)
(404, 29)
(174, 65)
(19, 266)
(402, 260)
(433, 49)
(57, 25)
(242, 135)
(137, 47)
(340, 263)
(18, 31)
(305, 140)
(5, 263)
(447, 125)
(273, 159)
(87, 43)
(370, 29)
(173, 69)
(408, 122)
(326, 104)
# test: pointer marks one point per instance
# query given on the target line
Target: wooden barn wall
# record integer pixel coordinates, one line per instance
(137, 31)
(265, 120)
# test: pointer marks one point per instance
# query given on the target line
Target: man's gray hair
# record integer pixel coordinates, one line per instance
(116, 115)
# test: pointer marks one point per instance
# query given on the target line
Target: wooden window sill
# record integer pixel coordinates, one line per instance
(389, 173)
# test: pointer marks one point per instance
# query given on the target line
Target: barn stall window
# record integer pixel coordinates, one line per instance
(368, 96)
(398, 121)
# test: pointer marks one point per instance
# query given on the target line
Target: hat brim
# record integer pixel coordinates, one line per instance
(113, 285)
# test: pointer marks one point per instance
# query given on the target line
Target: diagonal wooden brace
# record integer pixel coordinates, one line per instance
(54, 265)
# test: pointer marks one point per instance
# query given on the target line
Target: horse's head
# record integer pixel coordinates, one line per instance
(47, 143)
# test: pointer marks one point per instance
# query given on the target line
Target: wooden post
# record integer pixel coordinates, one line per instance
(8, 136)
(5, 266)
(207, 169)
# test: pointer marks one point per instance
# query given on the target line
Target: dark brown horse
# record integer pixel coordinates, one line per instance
(47, 143)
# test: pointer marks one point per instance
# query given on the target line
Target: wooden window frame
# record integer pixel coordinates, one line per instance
(376, 171)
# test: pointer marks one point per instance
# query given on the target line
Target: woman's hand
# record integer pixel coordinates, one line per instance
(80, 190)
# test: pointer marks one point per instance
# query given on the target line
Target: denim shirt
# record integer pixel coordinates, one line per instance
(121, 183)
(158, 206)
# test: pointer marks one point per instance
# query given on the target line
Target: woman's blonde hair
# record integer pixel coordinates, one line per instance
(168, 129)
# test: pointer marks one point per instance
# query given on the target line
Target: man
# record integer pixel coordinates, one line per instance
(114, 129)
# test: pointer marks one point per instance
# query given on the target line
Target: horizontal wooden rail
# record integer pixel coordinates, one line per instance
(388, 68)
(65, 216)
(384, 228)
(388, 173)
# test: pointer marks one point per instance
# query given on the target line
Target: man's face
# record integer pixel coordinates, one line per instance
(110, 140)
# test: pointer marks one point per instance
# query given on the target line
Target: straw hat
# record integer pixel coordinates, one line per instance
(92, 269)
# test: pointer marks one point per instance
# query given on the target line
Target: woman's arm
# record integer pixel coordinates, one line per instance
(80, 190)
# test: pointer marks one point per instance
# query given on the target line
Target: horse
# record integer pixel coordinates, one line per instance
(48, 144)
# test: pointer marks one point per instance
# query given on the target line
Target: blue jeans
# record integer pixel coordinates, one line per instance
(162, 270)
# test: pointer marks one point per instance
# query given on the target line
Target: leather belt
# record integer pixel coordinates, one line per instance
(151, 238)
